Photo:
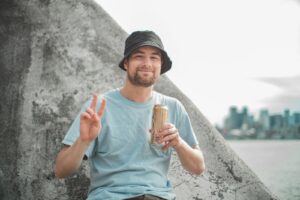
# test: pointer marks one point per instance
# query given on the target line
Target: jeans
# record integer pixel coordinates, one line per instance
(146, 197)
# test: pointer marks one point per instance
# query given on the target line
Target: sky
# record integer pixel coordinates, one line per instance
(224, 53)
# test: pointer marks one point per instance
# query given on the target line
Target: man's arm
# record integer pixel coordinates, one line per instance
(70, 158)
(191, 158)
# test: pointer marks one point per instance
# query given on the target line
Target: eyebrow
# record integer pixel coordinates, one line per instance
(139, 51)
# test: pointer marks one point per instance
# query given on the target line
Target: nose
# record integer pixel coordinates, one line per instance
(147, 61)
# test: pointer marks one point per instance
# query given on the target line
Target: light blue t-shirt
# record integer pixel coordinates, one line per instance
(123, 163)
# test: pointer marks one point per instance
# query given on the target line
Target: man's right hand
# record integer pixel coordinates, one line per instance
(90, 121)
(70, 157)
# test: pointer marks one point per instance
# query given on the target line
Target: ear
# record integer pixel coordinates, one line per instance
(125, 64)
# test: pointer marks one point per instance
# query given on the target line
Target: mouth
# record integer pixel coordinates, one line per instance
(145, 71)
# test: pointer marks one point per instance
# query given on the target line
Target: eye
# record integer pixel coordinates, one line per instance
(155, 58)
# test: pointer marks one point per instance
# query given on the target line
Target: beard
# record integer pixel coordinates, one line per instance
(137, 80)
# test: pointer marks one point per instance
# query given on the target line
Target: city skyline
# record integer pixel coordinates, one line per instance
(257, 112)
(241, 124)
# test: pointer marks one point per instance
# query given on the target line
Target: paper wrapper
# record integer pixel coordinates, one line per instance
(159, 118)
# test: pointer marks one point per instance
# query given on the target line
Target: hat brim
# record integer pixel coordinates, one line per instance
(166, 61)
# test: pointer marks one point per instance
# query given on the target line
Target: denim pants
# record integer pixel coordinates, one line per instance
(146, 197)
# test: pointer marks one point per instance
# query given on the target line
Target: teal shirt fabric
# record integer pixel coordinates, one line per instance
(122, 161)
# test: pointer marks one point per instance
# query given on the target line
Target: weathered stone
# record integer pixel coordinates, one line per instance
(53, 56)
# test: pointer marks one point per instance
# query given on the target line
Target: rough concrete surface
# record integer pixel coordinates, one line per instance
(53, 55)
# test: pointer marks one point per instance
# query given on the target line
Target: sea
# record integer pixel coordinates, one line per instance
(275, 162)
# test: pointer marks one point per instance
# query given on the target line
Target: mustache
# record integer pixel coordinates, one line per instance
(145, 69)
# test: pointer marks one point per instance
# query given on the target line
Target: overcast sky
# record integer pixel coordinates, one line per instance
(224, 53)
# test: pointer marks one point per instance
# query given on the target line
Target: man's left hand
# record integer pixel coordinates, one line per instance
(169, 136)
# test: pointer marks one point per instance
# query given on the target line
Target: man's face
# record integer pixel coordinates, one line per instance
(143, 66)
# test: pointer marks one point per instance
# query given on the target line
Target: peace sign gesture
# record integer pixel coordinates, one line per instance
(90, 121)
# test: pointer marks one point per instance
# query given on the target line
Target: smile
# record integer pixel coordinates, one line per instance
(144, 71)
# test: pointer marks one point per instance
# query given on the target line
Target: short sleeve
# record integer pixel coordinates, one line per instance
(74, 132)
(184, 127)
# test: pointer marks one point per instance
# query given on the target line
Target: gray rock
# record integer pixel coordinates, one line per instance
(53, 55)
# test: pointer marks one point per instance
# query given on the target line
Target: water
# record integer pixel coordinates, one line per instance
(277, 164)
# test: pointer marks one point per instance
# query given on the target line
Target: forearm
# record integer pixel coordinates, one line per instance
(70, 158)
(191, 158)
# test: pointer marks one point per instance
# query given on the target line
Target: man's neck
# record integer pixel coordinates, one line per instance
(137, 93)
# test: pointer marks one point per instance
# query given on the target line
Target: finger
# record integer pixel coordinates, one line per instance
(86, 115)
(166, 146)
(95, 117)
(89, 111)
(166, 126)
(172, 143)
(94, 102)
(169, 138)
(168, 132)
(102, 108)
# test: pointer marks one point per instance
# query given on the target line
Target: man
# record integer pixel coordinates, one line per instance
(113, 131)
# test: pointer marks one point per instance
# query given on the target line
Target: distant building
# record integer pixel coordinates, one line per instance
(276, 121)
(236, 119)
(287, 118)
(264, 120)
(243, 125)
(296, 118)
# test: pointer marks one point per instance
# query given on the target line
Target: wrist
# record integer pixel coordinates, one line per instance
(84, 143)
(180, 144)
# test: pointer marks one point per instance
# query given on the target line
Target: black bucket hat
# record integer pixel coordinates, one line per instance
(138, 39)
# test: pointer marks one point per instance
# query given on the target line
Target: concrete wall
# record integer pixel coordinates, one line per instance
(53, 55)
